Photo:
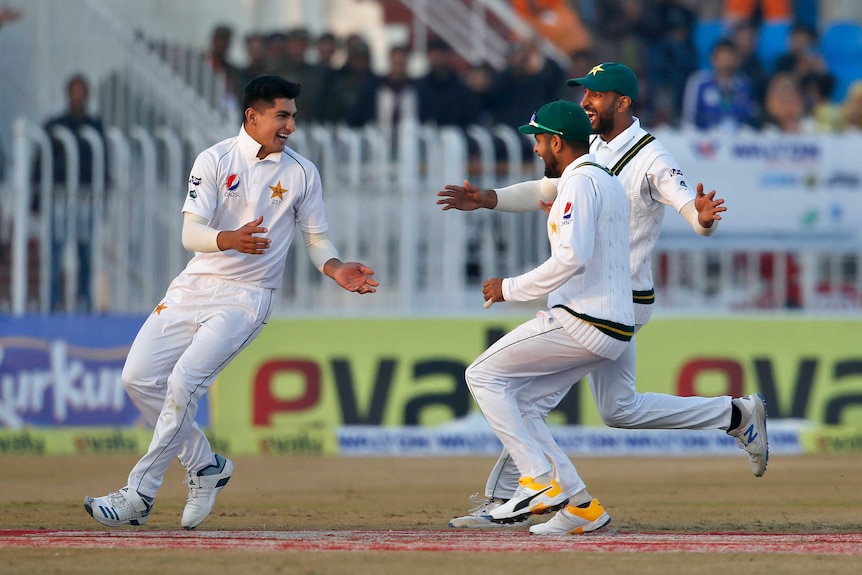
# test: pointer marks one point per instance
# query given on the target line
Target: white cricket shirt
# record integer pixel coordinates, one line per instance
(230, 186)
(587, 274)
(652, 179)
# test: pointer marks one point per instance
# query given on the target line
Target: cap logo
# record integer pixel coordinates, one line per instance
(596, 70)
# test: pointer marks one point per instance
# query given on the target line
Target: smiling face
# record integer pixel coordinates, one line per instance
(601, 109)
(271, 125)
(547, 147)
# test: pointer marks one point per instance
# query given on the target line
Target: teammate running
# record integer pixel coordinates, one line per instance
(246, 197)
(652, 179)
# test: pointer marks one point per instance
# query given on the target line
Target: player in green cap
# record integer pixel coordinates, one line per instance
(589, 320)
(652, 179)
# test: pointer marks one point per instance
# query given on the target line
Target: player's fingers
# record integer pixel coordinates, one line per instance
(451, 190)
(699, 188)
(254, 223)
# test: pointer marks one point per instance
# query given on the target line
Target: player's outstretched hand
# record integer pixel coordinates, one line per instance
(466, 198)
(546, 206)
(708, 207)
(352, 276)
(244, 239)
(492, 289)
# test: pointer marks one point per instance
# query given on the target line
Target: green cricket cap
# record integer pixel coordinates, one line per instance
(563, 118)
(609, 77)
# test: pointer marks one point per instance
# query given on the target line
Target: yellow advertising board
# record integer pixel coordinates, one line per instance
(311, 375)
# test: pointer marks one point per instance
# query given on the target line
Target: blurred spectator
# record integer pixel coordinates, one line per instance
(851, 109)
(817, 91)
(557, 21)
(720, 97)
(389, 100)
(355, 75)
(784, 108)
(326, 48)
(444, 99)
(527, 83)
(274, 51)
(255, 49)
(74, 118)
(802, 57)
(768, 10)
(291, 63)
(744, 36)
(218, 60)
(619, 41)
(668, 27)
(480, 78)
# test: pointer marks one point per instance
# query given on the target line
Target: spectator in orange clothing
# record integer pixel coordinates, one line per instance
(770, 10)
(556, 21)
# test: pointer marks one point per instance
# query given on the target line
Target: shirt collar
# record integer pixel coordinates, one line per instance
(623, 138)
(577, 162)
(249, 147)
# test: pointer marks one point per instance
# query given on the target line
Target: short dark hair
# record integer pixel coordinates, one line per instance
(266, 89)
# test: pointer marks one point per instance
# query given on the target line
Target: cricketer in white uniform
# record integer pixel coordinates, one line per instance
(590, 319)
(246, 197)
(652, 180)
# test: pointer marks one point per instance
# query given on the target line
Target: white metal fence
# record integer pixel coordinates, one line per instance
(381, 208)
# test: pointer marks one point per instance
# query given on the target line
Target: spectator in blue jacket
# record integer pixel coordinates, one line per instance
(722, 97)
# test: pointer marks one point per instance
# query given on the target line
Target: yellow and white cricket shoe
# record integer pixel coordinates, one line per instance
(530, 498)
(573, 520)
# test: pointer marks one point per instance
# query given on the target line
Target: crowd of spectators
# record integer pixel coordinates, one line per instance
(792, 93)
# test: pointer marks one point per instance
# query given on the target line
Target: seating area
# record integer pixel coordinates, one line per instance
(840, 43)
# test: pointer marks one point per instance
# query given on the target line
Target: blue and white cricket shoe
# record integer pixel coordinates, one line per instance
(203, 489)
(119, 508)
(751, 433)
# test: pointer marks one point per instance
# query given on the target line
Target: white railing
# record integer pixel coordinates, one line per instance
(467, 26)
(383, 212)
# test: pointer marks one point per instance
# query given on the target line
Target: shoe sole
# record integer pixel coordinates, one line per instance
(538, 509)
(765, 438)
(490, 525)
(88, 507)
(589, 529)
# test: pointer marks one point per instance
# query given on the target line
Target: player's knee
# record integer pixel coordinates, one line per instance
(135, 378)
(618, 417)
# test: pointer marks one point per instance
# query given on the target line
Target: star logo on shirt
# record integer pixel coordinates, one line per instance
(596, 70)
(159, 308)
(554, 228)
(277, 192)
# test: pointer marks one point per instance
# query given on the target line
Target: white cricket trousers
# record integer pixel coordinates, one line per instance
(202, 323)
(511, 382)
(620, 405)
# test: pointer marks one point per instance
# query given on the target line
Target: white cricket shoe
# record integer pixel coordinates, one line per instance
(573, 520)
(479, 517)
(118, 508)
(751, 433)
(203, 489)
(530, 498)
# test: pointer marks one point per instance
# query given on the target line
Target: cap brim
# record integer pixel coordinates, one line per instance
(528, 129)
